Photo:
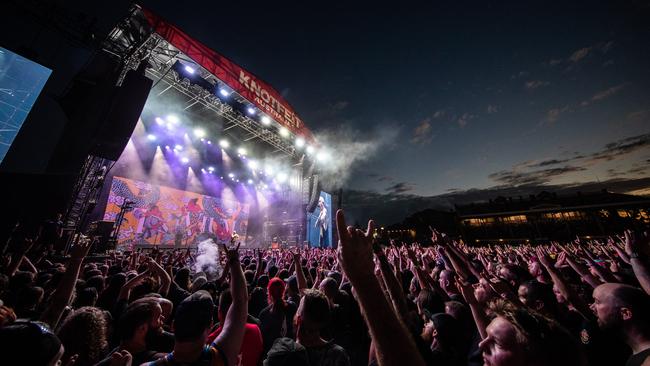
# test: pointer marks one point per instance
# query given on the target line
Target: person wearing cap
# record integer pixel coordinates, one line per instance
(194, 319)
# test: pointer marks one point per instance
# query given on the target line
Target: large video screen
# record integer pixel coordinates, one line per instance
(171, 217)
(21, 81)
(319, 222)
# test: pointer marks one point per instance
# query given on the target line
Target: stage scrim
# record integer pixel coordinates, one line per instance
(171, 217)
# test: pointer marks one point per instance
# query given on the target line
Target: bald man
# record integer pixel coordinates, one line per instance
(625, 310)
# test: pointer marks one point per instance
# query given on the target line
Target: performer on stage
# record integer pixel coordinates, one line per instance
(322, 223)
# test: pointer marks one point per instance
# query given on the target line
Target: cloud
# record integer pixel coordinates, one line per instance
(608, 92)
(400, 188)
(534, 84)
(518, 75)
(544, 163)
(518, 178)
(464, 119)
(422, 134)
(553, 114)
(340, 105)
(492, 109)
(580, 54)
(622, 147)
(439, 113)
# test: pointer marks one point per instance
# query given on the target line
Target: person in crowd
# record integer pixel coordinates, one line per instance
(625, 310)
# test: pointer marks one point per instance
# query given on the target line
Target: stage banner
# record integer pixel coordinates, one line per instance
(249, 86)
(319, 222)
(170, 217)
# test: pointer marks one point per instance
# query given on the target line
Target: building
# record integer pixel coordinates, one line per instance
(547, 216)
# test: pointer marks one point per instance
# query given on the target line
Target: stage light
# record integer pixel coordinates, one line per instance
(268, 170)
(282, 177)
(310, 149)
(167, 147)
(198, 132)
(210, 169)
(231, 175)
(178, 147)
(173, 119)
(323, 156)
(253, 164)
(202, 170)
(185, 160)
(250, 181)
(241, 151)
(224, 92)
(224, 144)
(283, 131)
(151, 137)
(159, 120)
(250, 110)
(209, 142)
(300, 142)
(202, 139)
(189, 69)
(266, 120)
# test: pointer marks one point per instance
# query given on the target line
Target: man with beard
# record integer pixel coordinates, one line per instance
(140, 319)
(625, 310)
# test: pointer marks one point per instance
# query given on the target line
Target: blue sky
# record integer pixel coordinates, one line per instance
(501, 94)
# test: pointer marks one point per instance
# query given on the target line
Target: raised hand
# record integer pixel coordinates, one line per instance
(635, 243)
(355, 249)
(232, 254)
(80, 250)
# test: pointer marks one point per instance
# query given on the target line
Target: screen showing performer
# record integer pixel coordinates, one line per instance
(171, 217)
(319, 222)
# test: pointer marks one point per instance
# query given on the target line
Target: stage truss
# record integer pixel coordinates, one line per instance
(131, 43)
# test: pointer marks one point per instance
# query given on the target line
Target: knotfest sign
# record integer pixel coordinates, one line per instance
(249, 86)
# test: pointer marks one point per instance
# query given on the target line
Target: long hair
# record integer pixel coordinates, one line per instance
(84, 332)
(275, 291)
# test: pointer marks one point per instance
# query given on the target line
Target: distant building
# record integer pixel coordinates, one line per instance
(547, 216)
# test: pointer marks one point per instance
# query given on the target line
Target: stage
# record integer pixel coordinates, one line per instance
(215, 151)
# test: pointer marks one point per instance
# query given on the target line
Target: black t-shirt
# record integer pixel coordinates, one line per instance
(276, 324)
(637, 359)
(329, 354)
(601, 348)
(160, 341)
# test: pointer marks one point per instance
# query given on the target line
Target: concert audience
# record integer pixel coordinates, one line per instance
(370, 302)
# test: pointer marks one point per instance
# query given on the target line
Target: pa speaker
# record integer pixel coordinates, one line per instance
(314, 194)
(123, 115)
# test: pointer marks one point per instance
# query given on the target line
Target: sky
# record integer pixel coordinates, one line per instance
(454, 97)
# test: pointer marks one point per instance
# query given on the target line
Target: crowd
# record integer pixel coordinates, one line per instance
(436, 303)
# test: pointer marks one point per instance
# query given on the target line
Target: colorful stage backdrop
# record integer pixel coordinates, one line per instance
(171, 217)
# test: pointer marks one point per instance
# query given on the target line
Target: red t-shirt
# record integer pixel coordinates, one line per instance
(252, 345)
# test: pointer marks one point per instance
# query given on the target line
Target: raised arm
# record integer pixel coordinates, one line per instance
(300, 275)
(230, 339)
(165, 278)
(393, 343)
(636, 247)
(63, 292)
(558, 280)
(392, 285)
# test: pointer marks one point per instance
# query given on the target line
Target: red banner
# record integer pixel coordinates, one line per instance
(262, 95)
